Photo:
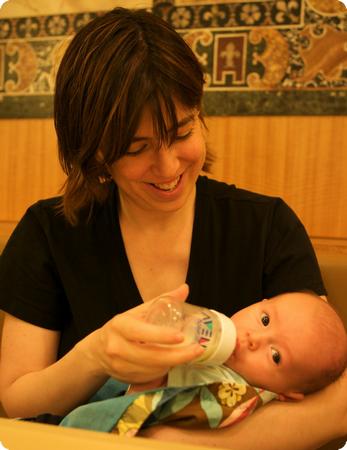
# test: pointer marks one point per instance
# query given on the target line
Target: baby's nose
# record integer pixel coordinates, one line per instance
(255, 340)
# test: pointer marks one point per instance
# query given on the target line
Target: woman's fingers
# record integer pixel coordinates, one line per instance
(149, 354)
(134, 329)
(133, 350)
(135, 362)
(137, 329)
(178, 294)
(137, 340)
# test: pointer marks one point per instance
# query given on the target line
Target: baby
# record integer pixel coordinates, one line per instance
(292, 344)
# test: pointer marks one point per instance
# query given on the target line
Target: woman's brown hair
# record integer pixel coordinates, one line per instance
(113, 67)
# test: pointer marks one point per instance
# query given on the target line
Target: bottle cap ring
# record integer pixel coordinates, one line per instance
(227, 341)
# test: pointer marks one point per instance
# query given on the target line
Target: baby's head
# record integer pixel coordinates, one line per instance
(292, 344)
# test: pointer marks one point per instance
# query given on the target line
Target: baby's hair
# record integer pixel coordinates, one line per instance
(333, 342)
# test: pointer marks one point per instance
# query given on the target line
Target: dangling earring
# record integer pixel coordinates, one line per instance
(105, 178)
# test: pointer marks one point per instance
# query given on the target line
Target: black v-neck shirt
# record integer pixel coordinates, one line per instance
(245, 247)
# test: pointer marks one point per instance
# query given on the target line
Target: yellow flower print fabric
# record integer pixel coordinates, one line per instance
(216, 404)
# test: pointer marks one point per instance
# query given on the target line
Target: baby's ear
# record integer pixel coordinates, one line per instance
(296, 396)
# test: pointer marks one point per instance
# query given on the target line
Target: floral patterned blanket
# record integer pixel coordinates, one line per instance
(213, 405)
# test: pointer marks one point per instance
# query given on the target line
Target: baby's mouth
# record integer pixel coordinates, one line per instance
(167, 187)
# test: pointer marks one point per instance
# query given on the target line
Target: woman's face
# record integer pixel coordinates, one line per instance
(161, 179)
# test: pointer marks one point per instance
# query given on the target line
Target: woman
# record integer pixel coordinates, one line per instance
(136, 220)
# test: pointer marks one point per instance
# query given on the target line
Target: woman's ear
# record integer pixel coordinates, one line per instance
(99, 157)
(296, 396)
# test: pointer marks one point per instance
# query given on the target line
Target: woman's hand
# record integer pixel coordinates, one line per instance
(131, 350)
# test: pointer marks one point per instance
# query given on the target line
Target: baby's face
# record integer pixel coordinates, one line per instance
(276, 343)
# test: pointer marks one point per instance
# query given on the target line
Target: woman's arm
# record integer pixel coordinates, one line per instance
(33, 382)
(304, 425)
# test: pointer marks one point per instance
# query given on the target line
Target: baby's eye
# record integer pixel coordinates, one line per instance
(265, 318)
(276, 356)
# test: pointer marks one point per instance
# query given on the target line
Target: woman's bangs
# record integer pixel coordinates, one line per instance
(164, 114)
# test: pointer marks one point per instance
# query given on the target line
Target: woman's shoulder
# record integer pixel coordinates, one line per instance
(222, 190)
(46, 206)
(44, 212)
(35, 224)
(238, 204)
(51, 211)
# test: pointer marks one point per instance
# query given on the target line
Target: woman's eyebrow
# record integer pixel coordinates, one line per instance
(186, 120)
(189, 118)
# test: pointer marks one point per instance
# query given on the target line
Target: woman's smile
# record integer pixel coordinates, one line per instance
(167, 186)
(168, 191)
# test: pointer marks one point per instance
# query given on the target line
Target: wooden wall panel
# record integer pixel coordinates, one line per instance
(29, 168)
(302, 159)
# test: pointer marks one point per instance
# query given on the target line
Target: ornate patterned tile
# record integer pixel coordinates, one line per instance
(260, 57)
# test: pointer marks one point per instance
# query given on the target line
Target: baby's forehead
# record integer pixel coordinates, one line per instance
(301, 307)
(299, 296)
(299, 300)
(307, 306)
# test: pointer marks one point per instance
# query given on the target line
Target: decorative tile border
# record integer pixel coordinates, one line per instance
(267, 57)
(232, 15)
(260, 56)
(29, 51)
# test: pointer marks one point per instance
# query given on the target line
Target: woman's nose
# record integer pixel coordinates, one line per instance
(166, 163)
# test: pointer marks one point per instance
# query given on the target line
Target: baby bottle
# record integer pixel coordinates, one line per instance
(214, 331)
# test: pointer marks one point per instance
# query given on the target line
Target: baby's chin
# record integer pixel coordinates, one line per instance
(231, 364)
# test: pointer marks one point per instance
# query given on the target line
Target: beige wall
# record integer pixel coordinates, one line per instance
(25, 8)
(29, 167)
(302, 159)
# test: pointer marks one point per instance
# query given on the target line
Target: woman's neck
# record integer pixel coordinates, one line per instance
(133, 215)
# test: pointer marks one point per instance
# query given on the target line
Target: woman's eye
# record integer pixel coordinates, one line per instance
(137, 151)
(276, 356)
(184, 136)
(265, 319)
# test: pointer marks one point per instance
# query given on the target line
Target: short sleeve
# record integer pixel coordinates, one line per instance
(290, 261)
(30, 288)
